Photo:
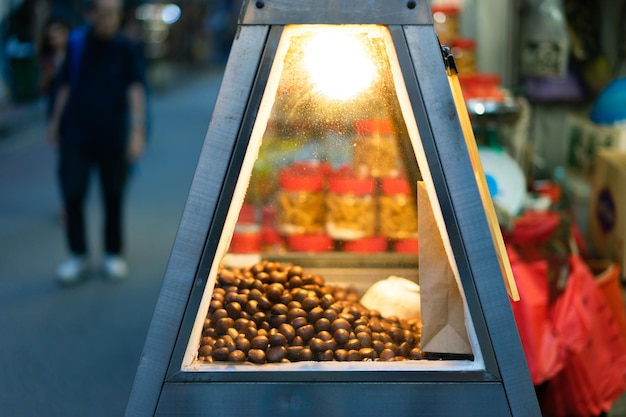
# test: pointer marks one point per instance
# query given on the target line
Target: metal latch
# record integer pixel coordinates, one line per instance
(448, 60)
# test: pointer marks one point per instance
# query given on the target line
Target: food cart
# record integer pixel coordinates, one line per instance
(338, 253)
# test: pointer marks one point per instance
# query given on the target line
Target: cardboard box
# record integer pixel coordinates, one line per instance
(607, 209)
(584, 138)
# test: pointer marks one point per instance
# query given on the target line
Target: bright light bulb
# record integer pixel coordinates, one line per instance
(339, 64)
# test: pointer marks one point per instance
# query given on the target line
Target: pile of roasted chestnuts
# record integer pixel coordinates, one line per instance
(276, 313)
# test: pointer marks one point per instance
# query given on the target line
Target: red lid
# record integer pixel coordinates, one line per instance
(480, 79)
(396, 186)
(341, 172)
(482, 86)
(407, 246)
(464, 43)
(246, 215)
(366, 245)
(351, 185)
(310, 243)
(445, 9)
(373, 126)
(293, 180)
(245, 243)
(488, 93)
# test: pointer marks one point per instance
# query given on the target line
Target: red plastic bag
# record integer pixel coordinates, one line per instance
(594, 369)
(534, 227)
(539, 340)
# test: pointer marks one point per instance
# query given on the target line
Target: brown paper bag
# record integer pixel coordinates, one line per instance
(443, 311)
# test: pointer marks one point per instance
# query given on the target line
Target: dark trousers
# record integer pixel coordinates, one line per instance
(75, 167)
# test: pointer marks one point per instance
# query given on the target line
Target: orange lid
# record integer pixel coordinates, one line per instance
(310, 243)
(373, 126)
(351, 185)
(407, 246)
(366, 245)
(394, 186)
(445, 9)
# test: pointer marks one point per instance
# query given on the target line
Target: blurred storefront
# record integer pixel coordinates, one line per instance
(174, 34)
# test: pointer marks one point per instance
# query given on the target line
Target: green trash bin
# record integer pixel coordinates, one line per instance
(23, 78)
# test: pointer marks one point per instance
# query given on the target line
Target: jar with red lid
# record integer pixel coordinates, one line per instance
(446, 22)
(375, 151)
(271, 240)
(398, 209)
(351, 208)
(482, 86)
(464, 51)
(301, 207)
(246, 237)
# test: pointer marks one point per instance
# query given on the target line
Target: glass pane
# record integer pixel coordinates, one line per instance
(318, 260)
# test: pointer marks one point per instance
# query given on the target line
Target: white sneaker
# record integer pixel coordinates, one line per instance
(72, 270)
(115, 267)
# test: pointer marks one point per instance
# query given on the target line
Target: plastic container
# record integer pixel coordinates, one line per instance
(351, 208)
(464, 51)
(301, 205)
(375, 149)
(446, 20)
(398, 210)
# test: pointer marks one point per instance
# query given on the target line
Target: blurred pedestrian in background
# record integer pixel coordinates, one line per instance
(102, 104)
(52, 48)
(51, 55)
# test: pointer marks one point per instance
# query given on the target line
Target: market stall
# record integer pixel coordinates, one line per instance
(339, 253)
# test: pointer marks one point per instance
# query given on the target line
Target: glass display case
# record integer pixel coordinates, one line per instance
(338, 234)
(325, 180)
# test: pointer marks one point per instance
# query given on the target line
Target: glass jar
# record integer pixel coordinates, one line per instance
(446, 22)
(301, 204)
(398, 210)
(351, 208)
(464, 51)
(247, 234)
(375, 149)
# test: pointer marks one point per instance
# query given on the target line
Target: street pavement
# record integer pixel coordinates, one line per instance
(74, 351)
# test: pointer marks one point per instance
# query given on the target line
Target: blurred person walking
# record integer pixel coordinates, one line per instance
(51, 55)
(52, 48)
(101, 102)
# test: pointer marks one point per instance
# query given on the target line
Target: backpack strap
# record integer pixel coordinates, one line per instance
(76, 44)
